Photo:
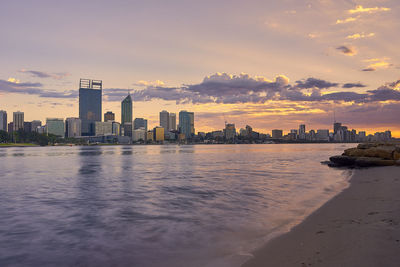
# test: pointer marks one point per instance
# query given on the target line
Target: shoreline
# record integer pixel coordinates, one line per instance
(360, 226)
(7, 145)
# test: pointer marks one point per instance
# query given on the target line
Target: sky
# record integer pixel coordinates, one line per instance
(268, 64)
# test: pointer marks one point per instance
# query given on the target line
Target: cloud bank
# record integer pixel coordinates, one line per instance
(41, 74)
(225, 88)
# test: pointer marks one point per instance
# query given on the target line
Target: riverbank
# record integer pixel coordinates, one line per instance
(17, 145)
(358, 227)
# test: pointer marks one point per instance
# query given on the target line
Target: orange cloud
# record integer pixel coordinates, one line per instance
(149, 83)
(377, 63)
(360, 36)
(342, 21)
(12, 80)
(361, 9)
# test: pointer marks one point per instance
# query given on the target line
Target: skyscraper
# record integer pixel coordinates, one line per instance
(140, 123)
(18, 120)
(73, 127)
(109, 116)
(126, 110)
(186, 123)
(35, 124)
(336, 127)
(3, 120)
(164, 120)
(172, 122)
(90, 93)
(276, 134)
(302, 131)
(55, 126)
(230, 131)
(27, 126)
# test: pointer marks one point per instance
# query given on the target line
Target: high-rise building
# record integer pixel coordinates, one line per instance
(127, 129)
(27, 126)
(186, 123)
(336, 127)
(18, 120)
(322, 135)
(172, 122)
(126, 110)
(249, 131)
(116, 128)
(277, 134)
(149, 136)
(73, 127)
(90, 102)
(103, 128)
(3, 120)
(109, 116)
(158, 133)
(10, 127)
(302, 131)
(41, 129)
(35, 124)
(164, 120)
(140, 123)
(230, 131)
(139, 135)
(55, 126)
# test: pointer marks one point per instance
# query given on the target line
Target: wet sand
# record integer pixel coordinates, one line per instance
(358, 227)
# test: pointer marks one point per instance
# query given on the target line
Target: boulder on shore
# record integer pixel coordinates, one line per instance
(368, 155)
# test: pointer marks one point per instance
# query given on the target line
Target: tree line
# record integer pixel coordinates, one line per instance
(21, 136)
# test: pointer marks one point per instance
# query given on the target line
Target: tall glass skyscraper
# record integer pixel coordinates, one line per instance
(3, 120)
(126, 110)
(140, 123)
(164, 120)
(186, 123)
(90, 93)
(18, 121)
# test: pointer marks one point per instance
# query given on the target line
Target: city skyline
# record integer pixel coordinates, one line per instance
(306, 60)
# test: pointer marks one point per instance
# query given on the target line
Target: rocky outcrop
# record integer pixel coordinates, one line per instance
(368, 155)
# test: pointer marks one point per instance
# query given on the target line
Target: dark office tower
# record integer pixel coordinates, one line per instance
(164, 120)
(336, 127)
(90, 92)
(109, 116)
(186, 123)
(3, 120)
(126, 110)
(18, 120)
(27, 126)
(140, 123)
(35, 124)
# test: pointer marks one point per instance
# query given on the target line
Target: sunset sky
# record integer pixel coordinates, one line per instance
(268, 64)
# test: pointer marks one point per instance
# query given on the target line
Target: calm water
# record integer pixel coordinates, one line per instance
(156, 205)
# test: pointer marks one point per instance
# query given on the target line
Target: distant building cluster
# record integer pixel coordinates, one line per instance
(90, 126)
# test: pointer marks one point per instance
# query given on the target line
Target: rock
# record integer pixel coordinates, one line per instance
(366, 145)
(343, 160)
(373, 162)
(354, 152)
(384, 152)
(368, 155)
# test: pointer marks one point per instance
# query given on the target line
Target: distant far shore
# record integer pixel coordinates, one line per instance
(158, 144)
(358, 227)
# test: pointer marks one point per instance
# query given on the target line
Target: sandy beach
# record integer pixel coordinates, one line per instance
(358, 227)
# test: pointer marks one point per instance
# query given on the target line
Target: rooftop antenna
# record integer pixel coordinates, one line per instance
(225, 119)
(334, 113)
